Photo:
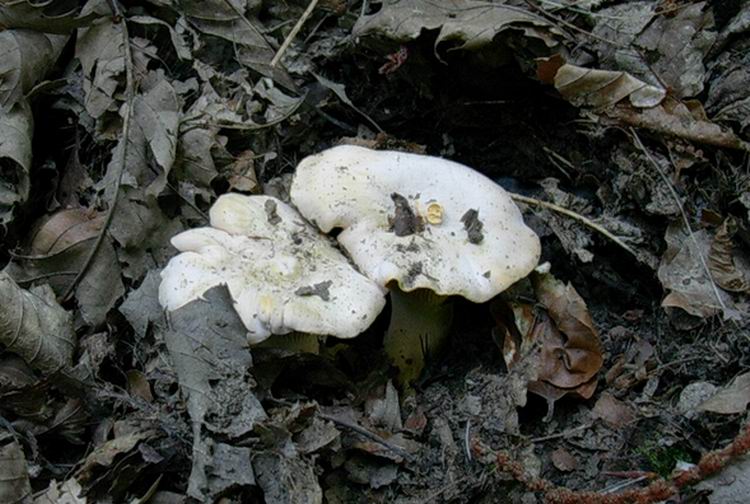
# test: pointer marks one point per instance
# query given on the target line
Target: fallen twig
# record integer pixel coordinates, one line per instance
(292, 34)
(369, 435)
(573, 215)
(129, 101)
(662, 489)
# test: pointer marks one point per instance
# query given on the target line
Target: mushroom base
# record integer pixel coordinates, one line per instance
(298, 342)
(419, 329)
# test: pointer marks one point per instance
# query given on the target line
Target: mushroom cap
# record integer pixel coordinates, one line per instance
(282, 274)
(422, 221)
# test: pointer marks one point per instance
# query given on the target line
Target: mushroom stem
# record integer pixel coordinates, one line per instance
(296, 341)
(419, 328)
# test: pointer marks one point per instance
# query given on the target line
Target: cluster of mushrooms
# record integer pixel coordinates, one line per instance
(418, 227)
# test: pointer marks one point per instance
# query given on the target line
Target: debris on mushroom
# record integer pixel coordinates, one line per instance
(419, 225)
(283, 275)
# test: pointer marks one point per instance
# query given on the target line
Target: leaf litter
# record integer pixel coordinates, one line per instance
(620, 126)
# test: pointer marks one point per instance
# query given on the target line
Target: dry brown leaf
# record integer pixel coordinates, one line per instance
(731, 399)
(683, 274)
(588, 87)
(562, 341)
(104, 455)
(620, 96)
(58, 249)
(563, 460)
(58, 16)
(68, 492)
(725, 267)
(614, 412)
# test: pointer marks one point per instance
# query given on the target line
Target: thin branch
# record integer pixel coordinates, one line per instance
(292, 34)
(576, 216)
(129, 100)
(369, 435)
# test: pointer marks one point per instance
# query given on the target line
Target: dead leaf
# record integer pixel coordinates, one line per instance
(58, 249)
(614, 412)
(726, 269)
(286, 479)
(470, 23)
(561, 342)
(208, 346)
(25, 58)
(60, 16)
(730, 399)
(563, 460)
(227, 20)
(664, 49)
(103, 456)
(141, 306)
(35, 327)
(14, 475)
(241, 173)
(683, 274)
(16, 130)
(68, 492)
(138, 385)
(99, 49)
(587, 87)
(21, 393)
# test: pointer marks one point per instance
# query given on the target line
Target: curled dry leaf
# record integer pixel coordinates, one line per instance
(562, 340)
(35, 327)
(727, 270)
(26, 57)
(57, 251)
(624, 98)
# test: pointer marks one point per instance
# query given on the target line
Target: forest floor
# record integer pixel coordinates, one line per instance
(618, 373)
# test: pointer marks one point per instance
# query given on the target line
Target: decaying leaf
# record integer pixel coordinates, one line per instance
(68, 492)
(562, 341)
(624, 98)
(227, 20)
(614, 412)
(57, 251)
(685, 276)
(59, 16)
(35, 327)
(14, 476)
(103, 457)
(99, 48)
(733, 398)
(208, 346)
(661, 48)
(470, 23)
(727, 270)
(21, 392)
(25, 58)
(16, 130)
(587, 87)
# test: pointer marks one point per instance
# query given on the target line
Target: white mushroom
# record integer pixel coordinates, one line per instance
(418, 222)
(282, 273)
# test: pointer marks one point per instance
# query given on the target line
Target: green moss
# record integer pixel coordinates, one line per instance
(662, 459)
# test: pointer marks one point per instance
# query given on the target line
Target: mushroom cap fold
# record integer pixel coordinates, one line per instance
(282, 274)
(422, 221)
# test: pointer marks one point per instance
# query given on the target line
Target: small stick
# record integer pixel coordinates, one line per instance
(123, 158)
(369, 435)
(295, 30)
(580, 218)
